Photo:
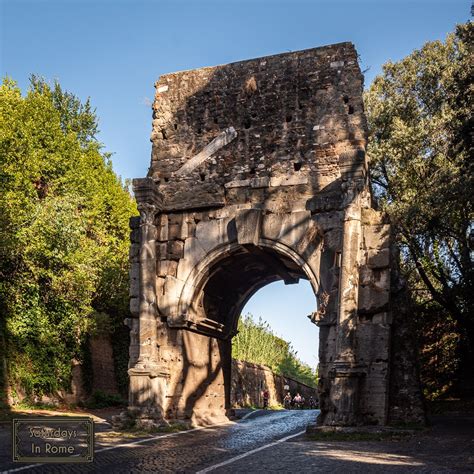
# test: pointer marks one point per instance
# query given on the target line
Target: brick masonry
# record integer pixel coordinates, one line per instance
(103, 369)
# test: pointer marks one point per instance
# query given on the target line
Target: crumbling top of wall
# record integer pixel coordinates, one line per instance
(290, 120)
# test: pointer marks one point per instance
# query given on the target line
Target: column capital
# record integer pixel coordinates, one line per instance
(147, 194)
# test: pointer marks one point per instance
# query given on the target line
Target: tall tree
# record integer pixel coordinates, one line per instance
(420, 123)
(63, 233)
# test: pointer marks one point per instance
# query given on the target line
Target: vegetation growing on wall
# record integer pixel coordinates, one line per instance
(420, 122)
(256, 343)
(63, 234)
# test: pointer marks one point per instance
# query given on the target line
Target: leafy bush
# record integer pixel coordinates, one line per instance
(256, 343)
(63, 235)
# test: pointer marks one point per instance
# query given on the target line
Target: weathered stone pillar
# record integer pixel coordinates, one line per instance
(147, 376)
(344, 370)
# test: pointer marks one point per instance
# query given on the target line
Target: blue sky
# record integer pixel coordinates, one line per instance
(114, 51)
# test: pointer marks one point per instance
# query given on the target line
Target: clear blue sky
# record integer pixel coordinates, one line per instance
(114, 51)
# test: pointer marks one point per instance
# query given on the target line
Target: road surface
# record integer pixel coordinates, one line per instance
(269, 442)
(203, 450)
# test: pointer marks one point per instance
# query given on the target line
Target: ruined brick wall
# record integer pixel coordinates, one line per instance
(298, 119)
(283, 137)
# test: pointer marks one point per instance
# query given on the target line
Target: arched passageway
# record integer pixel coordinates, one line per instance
(258, 174)
(276, 347)
(228, 285)
(232, 277)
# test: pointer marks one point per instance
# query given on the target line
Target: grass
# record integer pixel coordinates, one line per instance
(408, 426)
(27, 405)
(9, 413)
(439, 407)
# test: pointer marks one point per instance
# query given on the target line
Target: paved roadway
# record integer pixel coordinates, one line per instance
(193, 451)
(268, 442)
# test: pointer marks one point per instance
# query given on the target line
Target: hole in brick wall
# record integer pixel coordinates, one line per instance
(176, 126)
(345, 98)
(297, 166)
(350, 110)
(202, 176)
(288, 118)
(166, 180)
(247, 123)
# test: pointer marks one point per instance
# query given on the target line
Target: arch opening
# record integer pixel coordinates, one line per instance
(230, 281)
(276, 348)
(227, 283)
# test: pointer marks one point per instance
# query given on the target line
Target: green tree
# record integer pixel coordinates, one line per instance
(420, 147)
(63, 234)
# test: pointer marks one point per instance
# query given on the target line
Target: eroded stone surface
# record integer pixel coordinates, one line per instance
(259, 174)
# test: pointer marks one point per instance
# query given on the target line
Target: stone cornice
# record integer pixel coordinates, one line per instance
(147, 194)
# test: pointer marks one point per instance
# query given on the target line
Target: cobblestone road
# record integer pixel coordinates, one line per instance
(189, 452)
(253, 446)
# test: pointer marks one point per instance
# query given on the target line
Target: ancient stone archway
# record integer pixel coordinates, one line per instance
(258, 174)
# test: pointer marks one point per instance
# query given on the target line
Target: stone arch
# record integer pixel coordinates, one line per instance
(229, 175)
(201, 273)
(223, 327)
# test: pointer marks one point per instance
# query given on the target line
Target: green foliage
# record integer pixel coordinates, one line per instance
(120, 344)
(256, 343)
(439, 350)
(420, 125)
(63, 234)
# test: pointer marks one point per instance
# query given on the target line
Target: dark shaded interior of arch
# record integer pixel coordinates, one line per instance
(236, 278)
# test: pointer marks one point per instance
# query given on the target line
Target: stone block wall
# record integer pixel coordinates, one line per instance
(258, 174)
(374, 315)
(103, 367)
(249, 380)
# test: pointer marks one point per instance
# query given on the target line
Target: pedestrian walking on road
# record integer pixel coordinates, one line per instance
(298, 401)
(287, 401)
(266, 397)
